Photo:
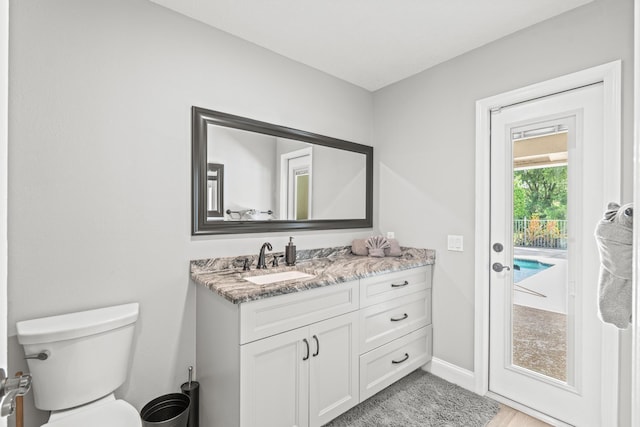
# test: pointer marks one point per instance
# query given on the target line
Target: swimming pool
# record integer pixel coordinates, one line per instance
(528, 267)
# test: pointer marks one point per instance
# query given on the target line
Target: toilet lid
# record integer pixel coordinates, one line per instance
(114, 413)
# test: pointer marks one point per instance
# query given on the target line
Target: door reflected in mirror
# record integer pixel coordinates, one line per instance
(278, 176)
(295, 171)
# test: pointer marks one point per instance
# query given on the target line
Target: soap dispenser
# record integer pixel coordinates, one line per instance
(290, 253)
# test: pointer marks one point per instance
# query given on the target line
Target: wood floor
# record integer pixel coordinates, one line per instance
(509, 417)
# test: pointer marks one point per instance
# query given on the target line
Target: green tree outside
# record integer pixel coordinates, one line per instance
(519, 198)
(541, 192)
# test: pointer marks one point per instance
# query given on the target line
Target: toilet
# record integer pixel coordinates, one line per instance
(77, 361)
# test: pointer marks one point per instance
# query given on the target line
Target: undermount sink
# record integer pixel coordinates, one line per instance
(269, 278)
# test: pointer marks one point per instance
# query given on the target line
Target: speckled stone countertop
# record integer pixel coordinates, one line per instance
(329, 266)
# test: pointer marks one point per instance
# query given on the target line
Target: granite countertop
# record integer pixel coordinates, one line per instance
(329, 266)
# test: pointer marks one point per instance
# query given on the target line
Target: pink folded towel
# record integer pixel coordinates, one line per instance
(377, 245)
(394, 249)
(359, 247)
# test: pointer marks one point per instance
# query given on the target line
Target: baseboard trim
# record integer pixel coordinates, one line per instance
(452, 373)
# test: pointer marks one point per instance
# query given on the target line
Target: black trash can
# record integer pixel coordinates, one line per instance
(170, 410)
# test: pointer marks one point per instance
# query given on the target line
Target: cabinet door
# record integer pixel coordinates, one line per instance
(274, 381)
(334, 368)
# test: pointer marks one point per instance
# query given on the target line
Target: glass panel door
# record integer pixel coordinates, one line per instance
(540, 240)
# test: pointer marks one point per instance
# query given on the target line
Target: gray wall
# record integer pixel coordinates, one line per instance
(99, 193)
(249, 167)
(339, 182)
(432, 116)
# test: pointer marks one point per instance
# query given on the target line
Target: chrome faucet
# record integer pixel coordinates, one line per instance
(261, 260)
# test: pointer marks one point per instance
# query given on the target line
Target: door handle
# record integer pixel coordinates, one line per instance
(497, 267)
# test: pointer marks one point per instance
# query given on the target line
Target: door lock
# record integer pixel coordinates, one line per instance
(10, 388)
(497, 267)
(498, 247)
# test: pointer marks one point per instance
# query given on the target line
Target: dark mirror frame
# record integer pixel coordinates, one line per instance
(201, 118)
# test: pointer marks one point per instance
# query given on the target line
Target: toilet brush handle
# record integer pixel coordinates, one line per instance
(19, 406)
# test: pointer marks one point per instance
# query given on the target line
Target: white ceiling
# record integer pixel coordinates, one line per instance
(370, 43)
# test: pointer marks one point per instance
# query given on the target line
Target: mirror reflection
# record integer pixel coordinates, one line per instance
(272, 178)
(215, 179)
(251, 176)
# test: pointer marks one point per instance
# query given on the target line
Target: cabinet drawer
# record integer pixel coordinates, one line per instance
(389, 320)
(382, 288)
(385, 365)
(270, 316)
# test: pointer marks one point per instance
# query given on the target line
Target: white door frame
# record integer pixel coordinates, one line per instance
(635, 322)
(610, 75)
(284, 179)
(4, 138)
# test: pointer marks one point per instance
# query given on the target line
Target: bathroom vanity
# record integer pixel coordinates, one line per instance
(312, 340)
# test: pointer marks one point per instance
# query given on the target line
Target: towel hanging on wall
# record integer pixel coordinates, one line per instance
(614, 236)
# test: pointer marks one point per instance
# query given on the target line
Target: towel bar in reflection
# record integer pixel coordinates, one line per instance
(245, 212)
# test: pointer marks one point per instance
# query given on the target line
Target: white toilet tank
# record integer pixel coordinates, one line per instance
(87, 354)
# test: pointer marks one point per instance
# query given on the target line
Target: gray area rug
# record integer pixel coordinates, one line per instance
(420, 400)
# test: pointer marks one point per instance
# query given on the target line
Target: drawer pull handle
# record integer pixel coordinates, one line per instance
(404, 359)
(397, 319)
(317, 346)
(307, 344)
(405, 283)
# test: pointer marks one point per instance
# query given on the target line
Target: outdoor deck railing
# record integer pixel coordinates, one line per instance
(540, 233)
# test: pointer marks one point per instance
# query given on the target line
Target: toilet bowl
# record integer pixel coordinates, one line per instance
(106, 412)
(77, 361)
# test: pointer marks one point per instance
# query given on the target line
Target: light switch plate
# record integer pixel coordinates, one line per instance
(455, 243)
(391, 235)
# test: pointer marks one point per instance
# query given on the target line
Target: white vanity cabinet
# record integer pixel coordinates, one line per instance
(304, 377)
(395, 325)
(303, 358)
(287, 360)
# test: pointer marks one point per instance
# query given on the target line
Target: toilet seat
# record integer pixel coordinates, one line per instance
(108, 414)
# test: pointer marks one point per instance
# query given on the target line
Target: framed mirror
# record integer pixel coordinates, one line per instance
(250, 176)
